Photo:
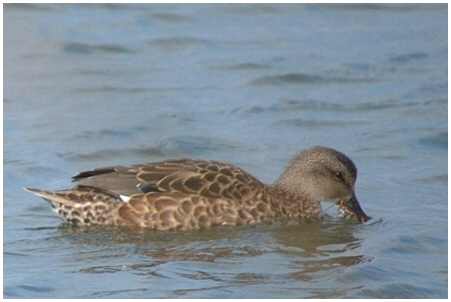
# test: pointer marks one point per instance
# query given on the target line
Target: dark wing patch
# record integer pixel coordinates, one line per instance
(119, 180)
(147, 187)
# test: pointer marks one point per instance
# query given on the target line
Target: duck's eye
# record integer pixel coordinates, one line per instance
(339, 176)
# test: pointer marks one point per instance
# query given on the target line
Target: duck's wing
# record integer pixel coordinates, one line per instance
(209, 179)
(121, 180)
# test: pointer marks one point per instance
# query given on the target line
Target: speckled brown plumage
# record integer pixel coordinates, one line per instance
(193, 194)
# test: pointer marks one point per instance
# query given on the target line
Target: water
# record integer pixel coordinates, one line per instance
(95, 85)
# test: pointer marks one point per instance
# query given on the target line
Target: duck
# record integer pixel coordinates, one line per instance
(189, 194)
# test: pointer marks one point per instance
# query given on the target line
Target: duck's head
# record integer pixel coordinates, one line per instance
(324, 174)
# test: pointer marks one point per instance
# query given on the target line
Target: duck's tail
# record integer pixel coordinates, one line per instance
(81, 205)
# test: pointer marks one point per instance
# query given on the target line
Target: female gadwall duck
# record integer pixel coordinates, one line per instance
(193, 194)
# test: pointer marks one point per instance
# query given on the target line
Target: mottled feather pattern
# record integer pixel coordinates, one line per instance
(197, 194)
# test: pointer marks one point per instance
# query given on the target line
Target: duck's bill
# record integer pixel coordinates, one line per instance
(352, 207)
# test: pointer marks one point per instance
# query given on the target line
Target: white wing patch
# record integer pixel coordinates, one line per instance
(124, 198)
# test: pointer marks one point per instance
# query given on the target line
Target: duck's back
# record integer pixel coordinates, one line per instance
(210, 179)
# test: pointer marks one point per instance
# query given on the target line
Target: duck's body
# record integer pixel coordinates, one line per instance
(192, 194)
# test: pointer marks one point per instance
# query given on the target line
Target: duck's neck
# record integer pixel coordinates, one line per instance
(289, 204)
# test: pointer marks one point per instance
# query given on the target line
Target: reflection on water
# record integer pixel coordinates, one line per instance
(297, 253)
